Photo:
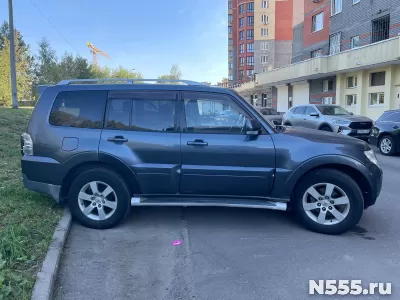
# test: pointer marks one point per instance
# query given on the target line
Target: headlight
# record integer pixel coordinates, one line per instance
(370, 154)
(341, 122)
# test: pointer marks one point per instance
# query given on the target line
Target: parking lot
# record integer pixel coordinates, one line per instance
(230, 253)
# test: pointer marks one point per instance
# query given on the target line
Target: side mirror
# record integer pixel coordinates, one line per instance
(253, 127)
(314, 115)
(351, 114)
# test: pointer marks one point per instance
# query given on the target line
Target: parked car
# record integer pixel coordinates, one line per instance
(332, 118)
(271, 114)
(104, 148)
(386, 132)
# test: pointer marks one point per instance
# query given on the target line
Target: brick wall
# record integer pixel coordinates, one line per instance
(316, 90)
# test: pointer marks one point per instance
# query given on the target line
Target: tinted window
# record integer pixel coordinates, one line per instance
(331, 110)
(394, 117)
(153, 111)
(310, 110)
(300, 110)
(83, 109)
(119, 111)
(268, 112)
(213, 113)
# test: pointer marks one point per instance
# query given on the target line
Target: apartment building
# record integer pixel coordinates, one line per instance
(260, 37)
(344, 52)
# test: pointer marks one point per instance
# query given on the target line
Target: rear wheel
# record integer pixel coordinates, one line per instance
(326, 128)
(99, 198)
(386, 145)
(328, 201)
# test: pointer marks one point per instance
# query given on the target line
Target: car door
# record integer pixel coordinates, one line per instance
(297, 117)
(218, 158)
(308, 120)
(141, 129)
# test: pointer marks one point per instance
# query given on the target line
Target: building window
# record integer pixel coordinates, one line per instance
(264, 4)
(250, 60)
(377, 78)
(264, 19)
(336, 6)
(230, 66)
(241, 74)
(229, 4)
(264, 45)
(380, 29)
(351, 100)
(264, 59)
(351, 82)
(230, 19)
(249, 73)
(250, 7)
(327, 85)
(250, 20)
(376, 99)
(250, 47)
(327, 100)
(318, 22)
(264, 31)
(241, 22)
(241, 9)
(241, 48)
(230, 42)
(230, 77)
(241, 62)
(250, 34)
(241, 35)
(230, 53)
(316, 53)
(229, 29)
(356, 1)
(355, 42)
(334, 43)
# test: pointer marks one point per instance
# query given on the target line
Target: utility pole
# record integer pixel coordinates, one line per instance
(12, 56)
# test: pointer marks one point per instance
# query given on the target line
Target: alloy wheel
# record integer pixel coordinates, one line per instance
(326, 204)
(97, 200)
(386, 145)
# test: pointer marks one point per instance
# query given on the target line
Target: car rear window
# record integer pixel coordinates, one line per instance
(82, 109)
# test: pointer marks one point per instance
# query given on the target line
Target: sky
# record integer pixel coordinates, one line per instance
(148, 36)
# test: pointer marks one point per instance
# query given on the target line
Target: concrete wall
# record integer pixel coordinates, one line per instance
(282, 98)
(283, 53)
(301, 93)
(258, 67)
(298, 41)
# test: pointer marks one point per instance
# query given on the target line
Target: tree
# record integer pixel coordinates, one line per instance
(174, 74)
(46, 68)
(24, 66)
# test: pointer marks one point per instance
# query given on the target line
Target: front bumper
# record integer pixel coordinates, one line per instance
(42, 188)
(375, 178)
(363, 134)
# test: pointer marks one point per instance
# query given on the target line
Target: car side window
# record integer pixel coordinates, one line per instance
(394, 117)
(213, 113)
(143, 111)
(82, 109)
(300, 110)
(310, 110)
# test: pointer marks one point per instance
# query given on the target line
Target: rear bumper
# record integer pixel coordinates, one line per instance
(42, 188)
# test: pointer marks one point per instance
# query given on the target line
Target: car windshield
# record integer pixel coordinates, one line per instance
(332, 110)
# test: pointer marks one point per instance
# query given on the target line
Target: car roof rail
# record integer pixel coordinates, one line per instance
(128, 81)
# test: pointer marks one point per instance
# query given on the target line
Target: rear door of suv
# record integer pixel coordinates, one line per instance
(141, 129)
(218, 158)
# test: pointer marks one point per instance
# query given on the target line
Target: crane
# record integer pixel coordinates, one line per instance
(94, 50)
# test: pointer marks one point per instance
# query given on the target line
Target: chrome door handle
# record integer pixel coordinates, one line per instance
(117, 139)
(197, 143)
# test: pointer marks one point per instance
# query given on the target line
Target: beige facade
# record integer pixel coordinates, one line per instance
(258, 22)
(298, 12)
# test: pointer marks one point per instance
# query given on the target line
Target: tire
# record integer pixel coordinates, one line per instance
(344, 185)
(115, 203)
(387, 145)
(326, 128)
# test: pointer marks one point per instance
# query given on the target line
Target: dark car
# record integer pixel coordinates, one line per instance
(386, 132)
(271, 115)
(105, 148)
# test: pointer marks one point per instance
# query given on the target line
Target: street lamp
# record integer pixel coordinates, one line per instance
(12, 56)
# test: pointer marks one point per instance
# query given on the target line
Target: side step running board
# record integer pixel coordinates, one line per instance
(245, 203)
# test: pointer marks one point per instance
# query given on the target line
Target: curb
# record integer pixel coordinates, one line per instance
(44, 285)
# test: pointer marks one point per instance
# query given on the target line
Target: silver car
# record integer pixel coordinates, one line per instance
(333, 118)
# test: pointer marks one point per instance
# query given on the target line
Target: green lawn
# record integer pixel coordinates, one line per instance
(27, 219)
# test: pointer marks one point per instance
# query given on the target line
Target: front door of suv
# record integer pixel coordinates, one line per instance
(141, 129)
(218, 158)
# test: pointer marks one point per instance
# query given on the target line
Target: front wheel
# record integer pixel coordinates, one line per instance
(99, 198)
(386, 145)
(326, 128)
(328, 201)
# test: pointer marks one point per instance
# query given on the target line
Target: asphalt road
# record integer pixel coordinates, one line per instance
(230, 253)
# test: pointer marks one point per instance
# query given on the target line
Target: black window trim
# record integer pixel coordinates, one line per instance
(182, 113)
(109, 98)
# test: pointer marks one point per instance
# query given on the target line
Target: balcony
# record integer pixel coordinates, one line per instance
(379, 54)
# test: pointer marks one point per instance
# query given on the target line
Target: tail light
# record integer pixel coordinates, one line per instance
(26, 144)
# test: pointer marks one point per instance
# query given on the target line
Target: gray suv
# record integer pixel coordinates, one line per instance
(105, 147)
(333, 118)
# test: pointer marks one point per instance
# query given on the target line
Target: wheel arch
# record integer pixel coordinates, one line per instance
(325, 125)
